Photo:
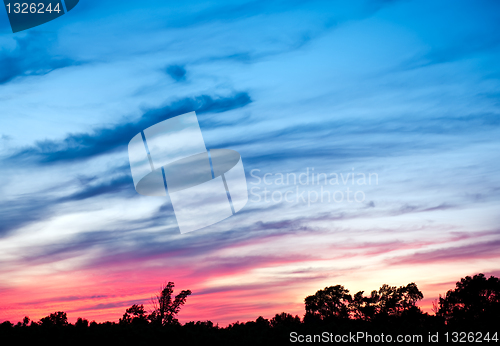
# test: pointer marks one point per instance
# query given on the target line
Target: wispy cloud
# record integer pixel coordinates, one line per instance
(467, 252)
(102, 140)
(178, 73)
(121, 184)
(31, 56)
(23, 211)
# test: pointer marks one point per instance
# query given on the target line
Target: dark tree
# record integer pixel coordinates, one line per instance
(82, 323)
(393, 301)
(364, 308)
(56, 319)
(26, 321)
(475, 299)
(388, 300)
(329, 302)
(409, 296)
(262, 322)
(284, 319)
(164, 308)
(6, 325)
(135, 314)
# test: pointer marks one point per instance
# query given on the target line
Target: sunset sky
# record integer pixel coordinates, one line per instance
(403, 93)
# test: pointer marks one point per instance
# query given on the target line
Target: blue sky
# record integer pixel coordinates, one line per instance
(406, 90)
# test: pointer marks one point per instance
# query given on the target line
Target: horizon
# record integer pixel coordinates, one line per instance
(148, 306)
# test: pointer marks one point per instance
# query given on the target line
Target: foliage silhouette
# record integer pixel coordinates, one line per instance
(284, 319)
(475, 300)
(364, 308)
(335, 302)
(164, 308)
(81, 323)
(26, 320)
(394, 301)
(474, 303)
(58, 319)
(135, 314)
(329, 302)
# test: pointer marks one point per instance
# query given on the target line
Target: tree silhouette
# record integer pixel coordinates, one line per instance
(284, 319)
(387, 300)
(329, 302)
(474, 305)
(164, 308)
(364, 308)
(26, 320)
(394, 301)
(335, 301)
(56, 319)
(409, 296)
(475, 299)
(135, 314)
(82, 323)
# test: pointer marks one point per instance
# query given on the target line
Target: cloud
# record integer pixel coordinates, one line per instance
(468, 252)
(102, 140)
(38, 206)
(227, 266)
(396, 136)
(103, 306)
(178, 73)
(131, 242)
(31, 56)
(20, 212)
(68, 299)
(297, 42)
(23, 210)
(120, 184)
(455, 43)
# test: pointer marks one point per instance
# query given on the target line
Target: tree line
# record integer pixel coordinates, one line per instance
(474, 305)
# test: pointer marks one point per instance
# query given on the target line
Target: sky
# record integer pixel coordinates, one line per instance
(376, 125)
